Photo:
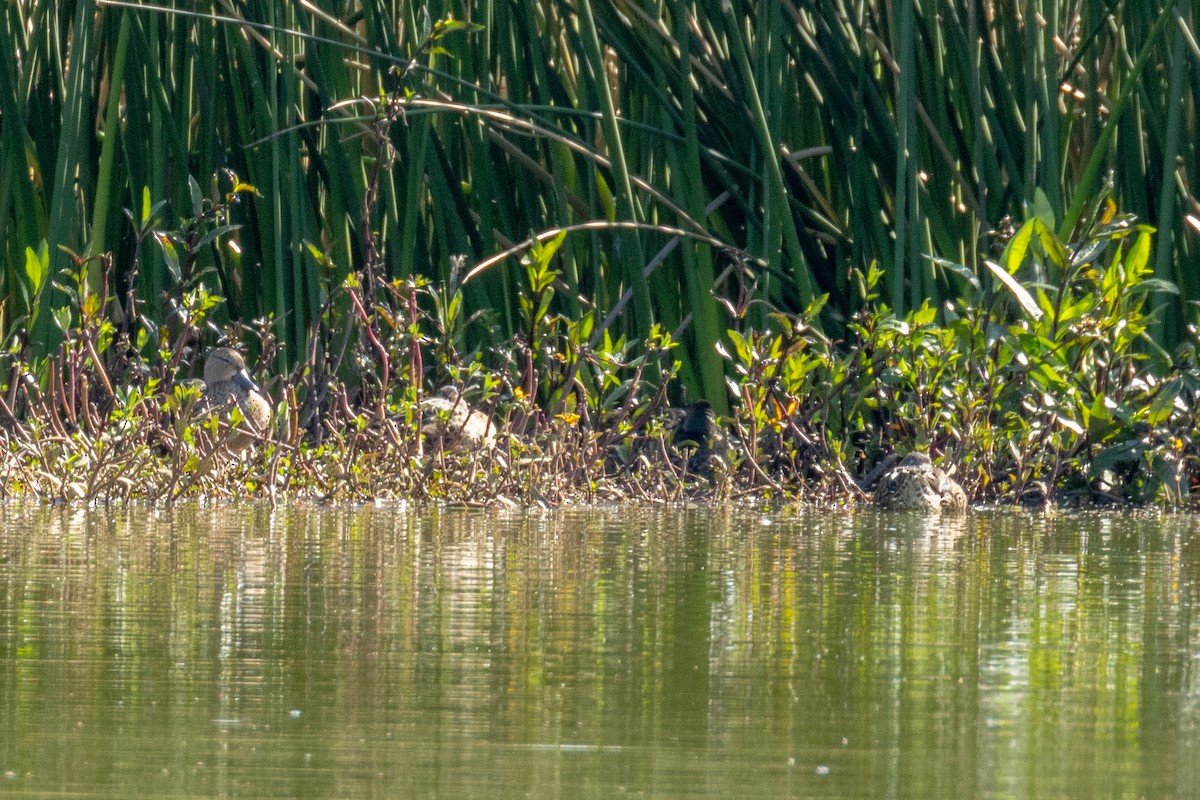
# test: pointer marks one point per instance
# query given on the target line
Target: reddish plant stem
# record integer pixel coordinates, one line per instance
(383, 356)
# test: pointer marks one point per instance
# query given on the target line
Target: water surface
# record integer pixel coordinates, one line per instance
(236, 651)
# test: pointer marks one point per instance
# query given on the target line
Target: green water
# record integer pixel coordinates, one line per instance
(372, 652)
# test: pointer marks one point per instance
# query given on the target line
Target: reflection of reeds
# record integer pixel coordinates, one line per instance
(635, 628)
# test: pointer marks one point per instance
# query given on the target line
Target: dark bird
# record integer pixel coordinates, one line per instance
(695, 431)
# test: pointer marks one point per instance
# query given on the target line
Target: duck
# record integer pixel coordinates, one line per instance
(915, 484)
(227, 384)
(448, 418)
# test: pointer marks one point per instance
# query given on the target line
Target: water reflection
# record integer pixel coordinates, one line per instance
(309, 652)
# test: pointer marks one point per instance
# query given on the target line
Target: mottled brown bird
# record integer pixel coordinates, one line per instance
(915, 484)
(227, 384)
(447, 417)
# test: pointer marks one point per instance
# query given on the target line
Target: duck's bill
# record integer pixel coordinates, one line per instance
(244, 380)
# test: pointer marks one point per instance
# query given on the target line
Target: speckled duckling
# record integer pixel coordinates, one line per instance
(226, 383)
(915, 484)
(447, 416)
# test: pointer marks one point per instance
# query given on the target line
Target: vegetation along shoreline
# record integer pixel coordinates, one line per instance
(1044, 396)
(923, 258)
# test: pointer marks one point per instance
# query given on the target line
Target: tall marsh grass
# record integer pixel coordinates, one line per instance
(740, 157)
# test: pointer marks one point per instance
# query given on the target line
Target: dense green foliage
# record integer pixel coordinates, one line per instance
(805, 141)
(896, 222)
(1049, 382)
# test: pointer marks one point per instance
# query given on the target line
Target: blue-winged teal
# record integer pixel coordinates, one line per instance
(915, 484)
(226, 384)
(447, 417)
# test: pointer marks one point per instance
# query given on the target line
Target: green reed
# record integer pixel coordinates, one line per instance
(806, 139)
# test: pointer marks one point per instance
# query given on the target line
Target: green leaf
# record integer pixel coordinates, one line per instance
(741, 347)
(170, 255)
(1042, 210)
(1163, 402)
(889, 323)
(544, 307)
(1014, 252)
(1016, 289)
(451, 25)
(1069, 424)
(1155, 285)
(1110, 457)
(814, 308)
(923, 316)
(1099, 415)
(37, 265)
(1138, 257)
(212, 235)
(62, 318)
(961, 270)
(197, 197)
(1056, 252)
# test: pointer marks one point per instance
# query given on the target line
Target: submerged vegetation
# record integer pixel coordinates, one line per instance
(905, 227)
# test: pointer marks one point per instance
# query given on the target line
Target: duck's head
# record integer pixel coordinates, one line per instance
(921, 460)
(449, 393)
(225, 365)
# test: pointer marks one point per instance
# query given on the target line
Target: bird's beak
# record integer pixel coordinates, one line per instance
(243, 379)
